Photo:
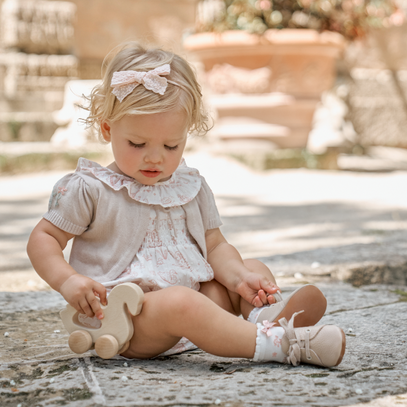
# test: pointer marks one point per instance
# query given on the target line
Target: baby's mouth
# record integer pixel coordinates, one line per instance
(150, 173)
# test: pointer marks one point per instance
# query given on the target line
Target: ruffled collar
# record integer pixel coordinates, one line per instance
(181, 188)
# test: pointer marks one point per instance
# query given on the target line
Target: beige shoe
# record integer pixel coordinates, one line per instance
(322, 345)
(307, 298)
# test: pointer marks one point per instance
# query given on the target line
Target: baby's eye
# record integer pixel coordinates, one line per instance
(136, 145)
(171, 148)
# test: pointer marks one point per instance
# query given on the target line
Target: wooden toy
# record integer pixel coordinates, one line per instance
(116, 330)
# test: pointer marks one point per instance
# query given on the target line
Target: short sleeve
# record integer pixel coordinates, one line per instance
(207, 205)
(71, 205)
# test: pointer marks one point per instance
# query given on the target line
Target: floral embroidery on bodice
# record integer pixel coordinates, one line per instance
(168, 255)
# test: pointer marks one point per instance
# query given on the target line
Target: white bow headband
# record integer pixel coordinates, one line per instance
(124, 82)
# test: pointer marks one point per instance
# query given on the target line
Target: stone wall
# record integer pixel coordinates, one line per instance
(36, 62)
(101, 25)
(38, 27)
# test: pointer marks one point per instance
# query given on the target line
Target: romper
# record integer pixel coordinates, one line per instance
(169, 255)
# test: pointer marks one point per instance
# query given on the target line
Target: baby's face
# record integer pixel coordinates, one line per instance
(147, 147)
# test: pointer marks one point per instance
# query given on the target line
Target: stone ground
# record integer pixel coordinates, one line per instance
(342, 231)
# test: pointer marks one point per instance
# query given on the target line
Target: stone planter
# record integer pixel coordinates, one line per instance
(288, 69)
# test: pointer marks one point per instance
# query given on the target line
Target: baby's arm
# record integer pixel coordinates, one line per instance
(44, 249)
(231, 272)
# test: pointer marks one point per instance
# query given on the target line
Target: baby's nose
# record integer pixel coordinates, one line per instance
(153, 156)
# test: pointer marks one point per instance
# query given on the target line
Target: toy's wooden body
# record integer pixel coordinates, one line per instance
(116, 328)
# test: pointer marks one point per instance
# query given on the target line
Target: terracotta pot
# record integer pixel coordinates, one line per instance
(296, 63)
(301, 62)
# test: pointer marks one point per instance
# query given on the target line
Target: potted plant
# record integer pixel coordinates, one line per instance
(278, 55)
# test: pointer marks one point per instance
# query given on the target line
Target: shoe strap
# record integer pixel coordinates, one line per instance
(294, 351)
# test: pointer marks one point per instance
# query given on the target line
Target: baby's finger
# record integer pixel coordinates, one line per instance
(272, 288)
(86, 308)
(257, 302)
(262, 296)
(100, 289)
(269, 287)
(79, 309)
(271, 299)
(95, 305)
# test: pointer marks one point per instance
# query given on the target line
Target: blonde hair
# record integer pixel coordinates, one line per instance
(186, 94)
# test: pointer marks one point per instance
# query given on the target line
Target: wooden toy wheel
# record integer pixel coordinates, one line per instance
(80, 341)
(107, 346)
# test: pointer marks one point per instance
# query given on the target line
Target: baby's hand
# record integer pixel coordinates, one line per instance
(257, 290)
(80, 292)
(265, 297)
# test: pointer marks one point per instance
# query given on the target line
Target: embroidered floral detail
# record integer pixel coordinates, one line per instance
(61, 192)
(168, 254)
(57, 195)
(181, 188)
(169, 277)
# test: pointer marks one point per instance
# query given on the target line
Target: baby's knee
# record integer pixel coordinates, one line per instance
(184, 300)
(173, 300)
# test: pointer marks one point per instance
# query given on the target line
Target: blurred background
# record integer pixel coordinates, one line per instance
(290, 83)
(314, 85)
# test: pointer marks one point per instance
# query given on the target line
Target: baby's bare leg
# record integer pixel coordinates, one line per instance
(174, 312)
(230, 301)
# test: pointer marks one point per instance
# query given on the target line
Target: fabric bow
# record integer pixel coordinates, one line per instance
(267, 327)
(124, 82)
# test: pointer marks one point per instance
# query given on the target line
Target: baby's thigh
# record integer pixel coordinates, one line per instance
(146, 346)
(221, 296)
(150, 336)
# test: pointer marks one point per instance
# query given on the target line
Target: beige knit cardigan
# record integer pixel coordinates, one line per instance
(110, 226)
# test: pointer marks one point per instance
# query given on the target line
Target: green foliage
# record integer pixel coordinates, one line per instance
(351, 18)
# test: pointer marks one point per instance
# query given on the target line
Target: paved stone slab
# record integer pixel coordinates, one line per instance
(38, 368)
(307, 225)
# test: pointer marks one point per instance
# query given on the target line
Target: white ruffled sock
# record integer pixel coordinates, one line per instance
(268, 343)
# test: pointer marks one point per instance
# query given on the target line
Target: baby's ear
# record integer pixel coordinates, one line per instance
(105, 129)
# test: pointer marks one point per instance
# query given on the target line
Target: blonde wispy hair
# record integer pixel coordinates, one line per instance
(186, 94)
